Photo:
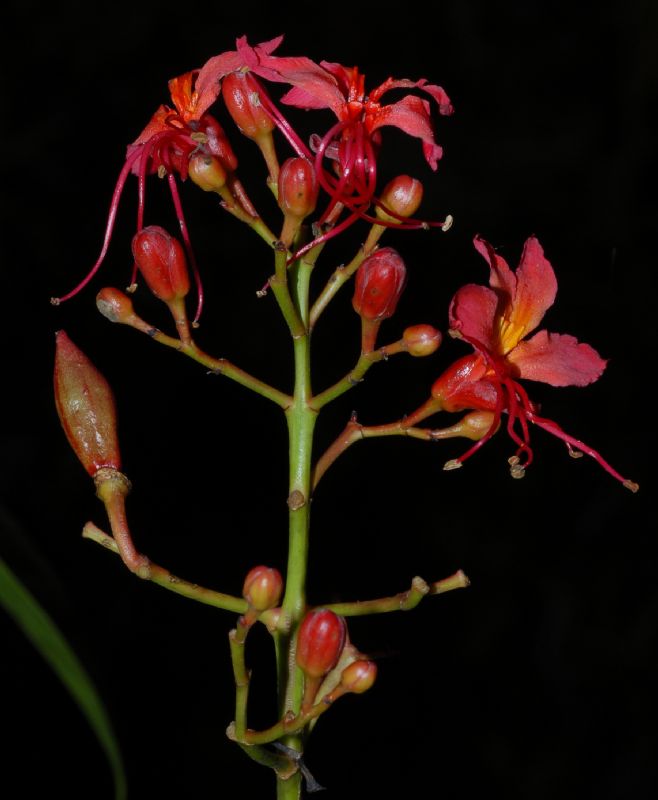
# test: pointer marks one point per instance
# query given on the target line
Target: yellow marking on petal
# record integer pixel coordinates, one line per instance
(510, 334)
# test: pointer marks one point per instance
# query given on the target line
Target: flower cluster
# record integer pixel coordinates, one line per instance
(495, 321)
(184, 139)
(321, 189)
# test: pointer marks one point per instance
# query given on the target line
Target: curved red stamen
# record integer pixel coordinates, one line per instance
(556, 430)
(281, 122)
(517, 414)
(188, 244)
(325, 237)
(109, 227)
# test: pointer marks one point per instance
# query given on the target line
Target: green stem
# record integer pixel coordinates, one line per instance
(236, 639)
(279, 285)
(404, 601)
(164, 578)
(301, 421)
(218, 366)
(356, 375)
(354, 432)
(343, 274)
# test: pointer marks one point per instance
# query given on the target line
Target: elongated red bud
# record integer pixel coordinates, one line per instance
(161, 260)
(320, 642)
(243, 104)
(402, 196)
(421, 340)
(378, 284)
(262, 588)
(298, 188)
(85, 404)
(359, 676)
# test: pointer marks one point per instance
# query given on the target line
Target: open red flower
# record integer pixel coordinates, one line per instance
(164, 147)
(495, 321)
(352, 143)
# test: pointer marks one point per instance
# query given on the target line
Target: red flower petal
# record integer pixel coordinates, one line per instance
(156, 124)
(536, 287)
(501, 276)
(473, 313)
(445, 106)
(244, 56)
(316, 87)
(557, 359)
(411, 115)
(184, 96)
(312, 90)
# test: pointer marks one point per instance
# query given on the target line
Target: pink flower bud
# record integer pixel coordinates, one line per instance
(421, 340)
(298, 188)
(359, 676)
(161, 260)
(262, 588)
(243, 104)
(320, 642)
(114, 305)
(378, 284)
(402, 196)
(207, 172)
(85, 405)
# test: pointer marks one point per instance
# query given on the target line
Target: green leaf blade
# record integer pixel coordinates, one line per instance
(46, 637)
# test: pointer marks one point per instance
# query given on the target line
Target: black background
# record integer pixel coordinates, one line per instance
(537, 681)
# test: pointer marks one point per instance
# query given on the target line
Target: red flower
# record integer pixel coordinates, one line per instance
(164, 147)
(250, 62)
(355, 139)
(353, 142)
(495, 321)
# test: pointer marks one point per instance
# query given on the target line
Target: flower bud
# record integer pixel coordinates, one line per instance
(320, 642)
(358, 677)
(421, 340)
(298, 188)
(243, 104)
(402, 196)
(85, 405)
(217, 143)
(114, 305)
(161, 260)
(207, 172)
(262, 588)
(378, 284)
